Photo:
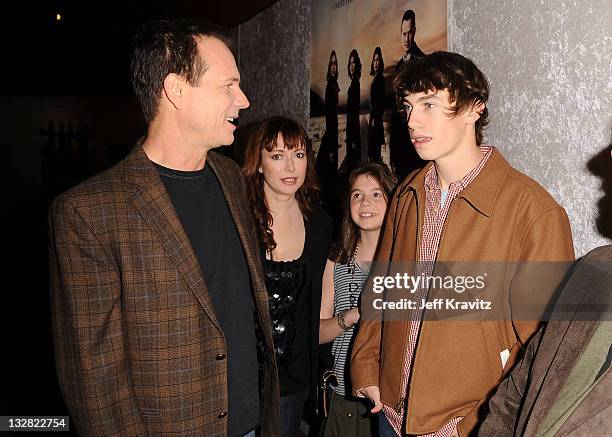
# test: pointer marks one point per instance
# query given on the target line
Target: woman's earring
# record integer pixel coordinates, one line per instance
(260, 170)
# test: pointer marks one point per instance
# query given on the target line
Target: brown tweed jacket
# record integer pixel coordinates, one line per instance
(139, 349)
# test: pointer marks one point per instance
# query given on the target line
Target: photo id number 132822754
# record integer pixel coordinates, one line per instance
(34, 423)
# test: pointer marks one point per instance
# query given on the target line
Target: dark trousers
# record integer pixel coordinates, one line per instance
(291, 407)
(384, 427)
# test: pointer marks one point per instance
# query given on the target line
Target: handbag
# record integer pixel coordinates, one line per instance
(325, 391)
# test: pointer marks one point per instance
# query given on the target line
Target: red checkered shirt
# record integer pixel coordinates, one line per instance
(435, 216)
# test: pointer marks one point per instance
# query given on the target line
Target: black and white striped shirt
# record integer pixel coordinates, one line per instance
(347, 289)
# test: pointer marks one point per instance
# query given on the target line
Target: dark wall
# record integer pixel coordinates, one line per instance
(49, 144)
(273, 57)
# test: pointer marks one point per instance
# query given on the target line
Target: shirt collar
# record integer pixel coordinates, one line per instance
(431, 177)
(480, 193)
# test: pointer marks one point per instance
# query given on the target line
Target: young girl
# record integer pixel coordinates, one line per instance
(365, 204)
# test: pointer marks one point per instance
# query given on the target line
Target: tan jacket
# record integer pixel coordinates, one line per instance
(502, 216)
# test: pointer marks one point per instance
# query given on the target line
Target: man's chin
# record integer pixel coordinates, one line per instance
(227, 141)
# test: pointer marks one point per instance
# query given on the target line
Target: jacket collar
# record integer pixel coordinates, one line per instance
(147, 192)
(481, 193)
(140, 171)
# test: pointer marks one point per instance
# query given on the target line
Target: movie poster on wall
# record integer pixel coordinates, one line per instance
(356, 48)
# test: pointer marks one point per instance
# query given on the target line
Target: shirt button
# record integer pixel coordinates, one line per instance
(349, 415)
(222, 414)
(220, 357)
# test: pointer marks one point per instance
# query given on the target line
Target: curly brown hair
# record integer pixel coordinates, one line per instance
(349, 236)
(265, 137)
(465, 83)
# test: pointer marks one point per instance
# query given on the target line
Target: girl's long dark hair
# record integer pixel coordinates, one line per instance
(342, 250)
(265, 137)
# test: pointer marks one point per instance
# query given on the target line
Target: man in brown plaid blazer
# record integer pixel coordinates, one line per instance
(156, 283)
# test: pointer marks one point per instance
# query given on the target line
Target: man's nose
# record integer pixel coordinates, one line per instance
(241, 99)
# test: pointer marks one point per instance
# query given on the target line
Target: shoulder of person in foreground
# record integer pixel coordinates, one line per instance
(590, 272)
(602, 253)
(100, 185)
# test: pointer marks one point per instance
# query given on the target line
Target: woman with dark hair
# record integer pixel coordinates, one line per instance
(378, 104)
(294, 234)
(331, 98)
(365, 204)
(353, 134)
(327, 158)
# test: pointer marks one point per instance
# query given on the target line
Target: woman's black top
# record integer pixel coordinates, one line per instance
(305, 340)
(288, 287)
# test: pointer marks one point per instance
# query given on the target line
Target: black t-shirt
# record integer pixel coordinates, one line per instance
(198, 200)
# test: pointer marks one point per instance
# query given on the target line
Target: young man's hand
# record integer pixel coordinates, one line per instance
(372, 392)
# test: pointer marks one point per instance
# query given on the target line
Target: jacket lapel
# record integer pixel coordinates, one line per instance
(482, 192)
(233, 189)
(148, 195)
(230, 187)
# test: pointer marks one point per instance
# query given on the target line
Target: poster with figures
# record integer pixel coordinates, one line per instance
(356, 48)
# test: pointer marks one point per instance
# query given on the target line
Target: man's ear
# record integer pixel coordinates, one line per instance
(475, 111)
(174, 89)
